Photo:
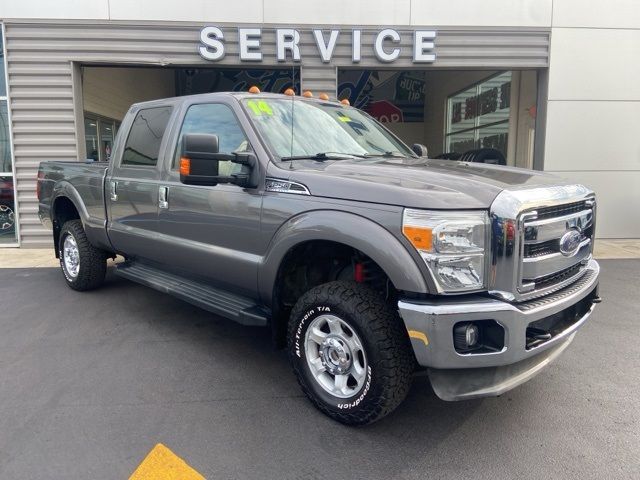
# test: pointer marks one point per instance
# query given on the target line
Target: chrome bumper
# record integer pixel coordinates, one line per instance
(430, 326)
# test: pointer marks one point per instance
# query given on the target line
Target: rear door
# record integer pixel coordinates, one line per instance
(132, 187)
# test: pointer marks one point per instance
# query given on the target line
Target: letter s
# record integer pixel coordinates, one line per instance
(212, 47)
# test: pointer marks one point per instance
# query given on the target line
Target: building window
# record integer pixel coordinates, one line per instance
(478, 117)
(8, 209)
(99, 134)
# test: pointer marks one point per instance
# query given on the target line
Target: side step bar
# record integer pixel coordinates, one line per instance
(235, 307)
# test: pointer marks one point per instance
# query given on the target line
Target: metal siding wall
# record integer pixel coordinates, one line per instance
(40, 57)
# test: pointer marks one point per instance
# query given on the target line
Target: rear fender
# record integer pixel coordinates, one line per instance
(94, 227)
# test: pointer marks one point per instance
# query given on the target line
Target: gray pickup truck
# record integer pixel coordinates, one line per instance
(368, 261)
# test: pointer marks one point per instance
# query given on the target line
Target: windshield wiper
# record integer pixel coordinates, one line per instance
(386, 154)
(322, 156)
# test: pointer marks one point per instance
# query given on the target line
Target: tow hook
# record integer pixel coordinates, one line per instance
(538, 334)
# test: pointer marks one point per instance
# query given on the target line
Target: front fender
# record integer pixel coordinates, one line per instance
(349, 229)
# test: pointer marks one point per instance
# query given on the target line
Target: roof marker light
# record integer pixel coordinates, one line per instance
(323, 96)
(254, 89)
(345, 101)
(307, 94)
(289, 92)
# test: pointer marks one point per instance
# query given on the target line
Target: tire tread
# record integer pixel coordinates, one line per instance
(93, 261)
(384, 329)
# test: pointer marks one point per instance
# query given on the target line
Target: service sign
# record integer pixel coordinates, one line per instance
(386, 44)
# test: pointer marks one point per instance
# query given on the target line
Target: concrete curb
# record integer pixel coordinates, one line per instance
(44, 257)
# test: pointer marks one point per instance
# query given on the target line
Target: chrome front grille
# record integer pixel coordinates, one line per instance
(545, 263)
(542, 239)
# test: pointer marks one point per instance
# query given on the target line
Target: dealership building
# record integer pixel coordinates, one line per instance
(548, 84)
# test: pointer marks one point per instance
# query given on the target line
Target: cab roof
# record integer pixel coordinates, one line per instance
(219, 95)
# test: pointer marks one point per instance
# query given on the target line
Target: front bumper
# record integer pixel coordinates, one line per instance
(457, 376)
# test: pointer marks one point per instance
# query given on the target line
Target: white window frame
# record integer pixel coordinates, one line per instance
(12, 173)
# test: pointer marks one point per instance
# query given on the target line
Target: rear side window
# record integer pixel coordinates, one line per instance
(145, 136)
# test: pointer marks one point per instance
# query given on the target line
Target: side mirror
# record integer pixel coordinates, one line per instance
(200, 159)
(419, 149)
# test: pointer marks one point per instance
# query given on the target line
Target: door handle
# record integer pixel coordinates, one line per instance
(113, 190)
(163, 197)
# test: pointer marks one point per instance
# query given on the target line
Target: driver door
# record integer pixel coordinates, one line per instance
(213, 230)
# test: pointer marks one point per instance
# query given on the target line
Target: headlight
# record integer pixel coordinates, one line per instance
(452, 244)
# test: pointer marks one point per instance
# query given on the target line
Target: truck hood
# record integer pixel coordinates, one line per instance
(411, 182)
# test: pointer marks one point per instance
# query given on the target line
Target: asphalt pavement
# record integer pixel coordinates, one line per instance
(90, 382)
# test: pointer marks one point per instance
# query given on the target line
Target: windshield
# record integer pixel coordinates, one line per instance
(321, 130)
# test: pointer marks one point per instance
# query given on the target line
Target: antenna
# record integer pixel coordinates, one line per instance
(293, 86)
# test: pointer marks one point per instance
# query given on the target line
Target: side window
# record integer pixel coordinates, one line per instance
(218, 119)
(143, 143)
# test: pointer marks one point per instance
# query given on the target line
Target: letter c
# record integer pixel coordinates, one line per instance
(382, 55)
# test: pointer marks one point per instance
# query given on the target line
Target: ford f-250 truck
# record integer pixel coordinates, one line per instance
(366, 259)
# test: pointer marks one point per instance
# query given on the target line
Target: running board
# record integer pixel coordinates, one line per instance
(235, 307)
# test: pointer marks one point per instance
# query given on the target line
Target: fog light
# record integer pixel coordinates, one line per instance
(465, 336)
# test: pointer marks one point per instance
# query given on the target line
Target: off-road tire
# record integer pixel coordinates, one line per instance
(93, 261)
(386, 345)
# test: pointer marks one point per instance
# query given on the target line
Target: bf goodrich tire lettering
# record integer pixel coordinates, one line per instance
(366, 352)
(87, 269)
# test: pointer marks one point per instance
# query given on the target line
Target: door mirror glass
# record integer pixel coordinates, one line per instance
(419, 149)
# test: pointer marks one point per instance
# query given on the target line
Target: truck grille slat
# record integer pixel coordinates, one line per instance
(557, 277)
(539, 249)
(561, 210)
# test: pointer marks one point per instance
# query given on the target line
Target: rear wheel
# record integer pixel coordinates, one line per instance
(350, 352)
(83, 265)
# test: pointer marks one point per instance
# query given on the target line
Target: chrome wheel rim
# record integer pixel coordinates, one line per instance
(71, 256)
(335, 356)
(7, 217)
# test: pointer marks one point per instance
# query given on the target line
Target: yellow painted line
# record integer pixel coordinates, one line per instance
(162, 464)
(419, 336)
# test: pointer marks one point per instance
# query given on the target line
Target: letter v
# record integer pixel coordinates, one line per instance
(326, 49)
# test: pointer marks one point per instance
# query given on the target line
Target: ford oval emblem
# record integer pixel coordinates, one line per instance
(570, 242)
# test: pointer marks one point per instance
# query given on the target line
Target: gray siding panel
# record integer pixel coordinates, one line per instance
(40, 56)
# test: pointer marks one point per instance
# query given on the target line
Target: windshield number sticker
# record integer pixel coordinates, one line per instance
(260, 107)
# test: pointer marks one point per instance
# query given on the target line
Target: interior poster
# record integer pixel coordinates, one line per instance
(389, 96)
(191, 81)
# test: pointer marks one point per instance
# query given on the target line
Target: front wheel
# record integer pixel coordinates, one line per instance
(350, 352)
(83, 265)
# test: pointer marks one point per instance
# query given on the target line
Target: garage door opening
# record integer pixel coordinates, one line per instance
(476, 115)
(109, 91)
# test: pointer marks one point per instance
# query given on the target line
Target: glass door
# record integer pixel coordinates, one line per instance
(99, 134)
(8, 209)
